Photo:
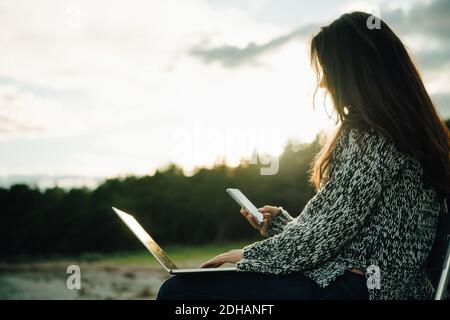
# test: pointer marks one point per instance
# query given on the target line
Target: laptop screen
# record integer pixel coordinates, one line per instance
(146, 240)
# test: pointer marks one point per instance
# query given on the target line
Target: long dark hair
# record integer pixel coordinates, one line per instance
(373, 82)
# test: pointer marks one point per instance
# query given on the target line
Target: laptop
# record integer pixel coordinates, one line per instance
(156, 250)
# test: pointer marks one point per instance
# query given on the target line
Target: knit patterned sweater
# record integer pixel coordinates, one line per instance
(373, 211)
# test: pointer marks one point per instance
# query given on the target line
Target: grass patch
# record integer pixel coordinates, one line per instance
(178, 253)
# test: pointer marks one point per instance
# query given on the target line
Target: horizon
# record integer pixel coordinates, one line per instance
(67, 182)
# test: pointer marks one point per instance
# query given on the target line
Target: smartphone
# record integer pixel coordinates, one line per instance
(242, 200)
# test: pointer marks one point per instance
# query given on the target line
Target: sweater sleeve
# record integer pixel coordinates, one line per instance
(279, 222)
(335, 214)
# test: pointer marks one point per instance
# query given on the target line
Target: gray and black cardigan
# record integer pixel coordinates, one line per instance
(373, 211)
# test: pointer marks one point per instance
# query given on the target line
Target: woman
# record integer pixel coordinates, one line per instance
(382, 181)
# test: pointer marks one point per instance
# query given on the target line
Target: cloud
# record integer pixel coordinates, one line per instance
(424, 21)
(9, 125)
(234, 56)
(431, 18)
(442, 103)
(27, 115)
(110, 72)
(427, 24)
(13, 118)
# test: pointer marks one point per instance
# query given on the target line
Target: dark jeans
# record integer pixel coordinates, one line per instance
(259, 286)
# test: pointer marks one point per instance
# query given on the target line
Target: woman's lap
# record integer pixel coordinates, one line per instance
(258, 286)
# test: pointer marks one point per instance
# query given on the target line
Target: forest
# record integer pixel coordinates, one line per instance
(173, 207)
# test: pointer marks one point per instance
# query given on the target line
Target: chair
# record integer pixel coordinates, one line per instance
(441, 291)
(439, 260)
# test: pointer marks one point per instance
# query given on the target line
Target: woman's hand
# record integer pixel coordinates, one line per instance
(268, 212)
(232, 256)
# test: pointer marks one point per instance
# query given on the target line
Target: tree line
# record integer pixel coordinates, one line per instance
(173, 207)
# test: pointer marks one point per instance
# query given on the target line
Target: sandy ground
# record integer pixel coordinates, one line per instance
(98, 281)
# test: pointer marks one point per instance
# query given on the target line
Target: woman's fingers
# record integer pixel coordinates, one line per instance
(250, 219)
(268, 213)
(263, 209)
(232, 256)
(267, 216)
(268, 209)
(213, 263)
(265, 227)
(244, 212)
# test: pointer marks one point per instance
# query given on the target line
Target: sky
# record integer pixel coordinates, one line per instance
(94, 89)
